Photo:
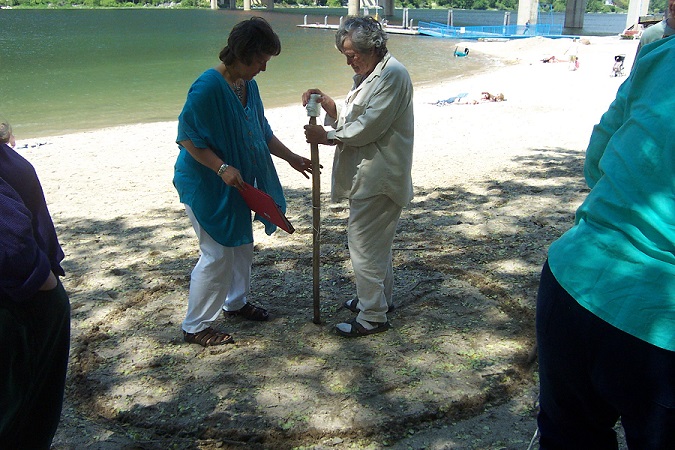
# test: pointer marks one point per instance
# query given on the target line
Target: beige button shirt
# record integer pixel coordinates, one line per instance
(375, 134)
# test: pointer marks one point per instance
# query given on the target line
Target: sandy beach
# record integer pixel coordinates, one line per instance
(495, 183)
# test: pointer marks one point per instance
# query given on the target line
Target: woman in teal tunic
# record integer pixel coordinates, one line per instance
(225, 141)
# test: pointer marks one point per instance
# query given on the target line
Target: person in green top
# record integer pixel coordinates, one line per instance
(660, 30)
(225, 141)
(606, 304)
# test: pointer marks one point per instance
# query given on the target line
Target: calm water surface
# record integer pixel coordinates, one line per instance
(63, 71)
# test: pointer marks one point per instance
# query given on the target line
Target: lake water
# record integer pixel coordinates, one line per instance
(64, 71)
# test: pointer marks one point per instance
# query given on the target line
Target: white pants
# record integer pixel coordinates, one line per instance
(370, 234)
(221, 279)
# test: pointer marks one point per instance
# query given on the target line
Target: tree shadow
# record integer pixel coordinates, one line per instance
(467, 263)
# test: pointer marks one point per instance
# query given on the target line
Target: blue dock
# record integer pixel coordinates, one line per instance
(484, 33)
(495, 32)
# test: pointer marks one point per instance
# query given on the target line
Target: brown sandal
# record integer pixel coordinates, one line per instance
(207, 337)
(250, 312)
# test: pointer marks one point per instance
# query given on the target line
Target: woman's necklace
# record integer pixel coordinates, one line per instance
(238, 91)
(237, 88)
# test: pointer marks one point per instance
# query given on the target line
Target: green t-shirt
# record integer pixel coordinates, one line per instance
(618, 260)
(654, 33)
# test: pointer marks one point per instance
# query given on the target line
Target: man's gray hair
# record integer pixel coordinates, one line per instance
(365, 33)
(5, 131)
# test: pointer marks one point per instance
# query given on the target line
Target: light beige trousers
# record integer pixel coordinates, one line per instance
(370, 233)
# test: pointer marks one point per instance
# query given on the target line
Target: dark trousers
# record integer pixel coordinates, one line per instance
(591, 374)
(34, 346)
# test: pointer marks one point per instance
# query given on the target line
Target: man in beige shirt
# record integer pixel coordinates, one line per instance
(373, 133)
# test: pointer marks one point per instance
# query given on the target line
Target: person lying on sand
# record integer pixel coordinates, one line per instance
(551, 59)
(465, 98)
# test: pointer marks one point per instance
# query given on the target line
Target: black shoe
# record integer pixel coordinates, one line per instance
(250, 312)
(358, 330)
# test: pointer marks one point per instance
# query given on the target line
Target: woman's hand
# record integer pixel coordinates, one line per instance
(326, 102)
(301, 164)
(232, 177)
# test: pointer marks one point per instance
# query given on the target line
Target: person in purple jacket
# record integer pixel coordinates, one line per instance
(34, 308)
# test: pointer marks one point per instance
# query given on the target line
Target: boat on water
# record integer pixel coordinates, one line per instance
(635, 31)
(632, 32)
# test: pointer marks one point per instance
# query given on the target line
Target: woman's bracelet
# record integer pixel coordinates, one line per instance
(222, 169)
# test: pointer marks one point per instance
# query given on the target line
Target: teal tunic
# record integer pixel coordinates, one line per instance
(618, 261)
(214, 118)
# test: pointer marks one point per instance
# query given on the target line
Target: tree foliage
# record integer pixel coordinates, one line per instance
(656, 6)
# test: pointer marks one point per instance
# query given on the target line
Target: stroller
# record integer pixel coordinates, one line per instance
(617, 69)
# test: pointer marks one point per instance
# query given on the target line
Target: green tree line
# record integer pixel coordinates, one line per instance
(655, 6)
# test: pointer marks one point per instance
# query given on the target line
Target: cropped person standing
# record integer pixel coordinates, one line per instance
(660, 30)
(34, 308)
(373, 133)
(224, 141)
(606, 304)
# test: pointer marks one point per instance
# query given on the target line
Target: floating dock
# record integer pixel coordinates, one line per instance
(495, 32)
(391, 29)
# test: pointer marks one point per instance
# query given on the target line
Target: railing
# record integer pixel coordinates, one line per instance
(497, 31)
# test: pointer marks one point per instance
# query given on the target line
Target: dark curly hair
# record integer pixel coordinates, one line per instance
(250, 39)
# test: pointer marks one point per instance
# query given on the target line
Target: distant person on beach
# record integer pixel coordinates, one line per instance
(373, 135)
(551, 59)
(464, 98)
(605, 316)
(461, 54)
(573, 52)
(34, 308)
(484, 97)
(660, 30)
(224, 141)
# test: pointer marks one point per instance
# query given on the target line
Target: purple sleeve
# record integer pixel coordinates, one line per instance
(23, 266)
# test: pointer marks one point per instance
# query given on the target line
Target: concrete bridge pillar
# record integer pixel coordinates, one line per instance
(527, 11)
(637, 8)
(353, 7)
(388, 9)
(574, 13)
